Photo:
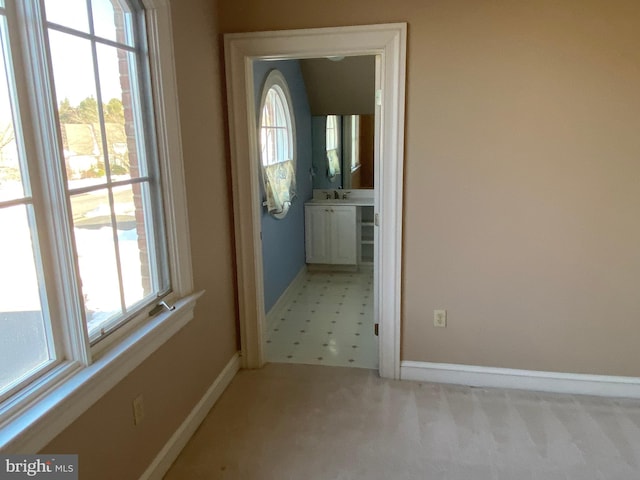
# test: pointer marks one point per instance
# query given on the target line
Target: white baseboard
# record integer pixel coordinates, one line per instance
(474, 376)
(179, 439)
(285, 298)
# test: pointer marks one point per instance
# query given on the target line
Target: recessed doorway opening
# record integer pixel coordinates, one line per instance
(388, 44)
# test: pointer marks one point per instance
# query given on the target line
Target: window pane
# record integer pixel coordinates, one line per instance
(23, 343)
(11, 186)
(268, 146)
(281, 142)
(332, 142)
(77, 109)
(265, 114)
(95, 248)
(133, 226)
(271, 108)
(276, 145)
(119, 98)
(280, 120)
(69, 13)
(104, 130)
(112, 20)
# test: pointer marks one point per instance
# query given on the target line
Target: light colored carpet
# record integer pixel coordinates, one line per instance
(313, 422)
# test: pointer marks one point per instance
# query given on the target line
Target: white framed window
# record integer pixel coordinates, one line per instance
(332, 147)
(110, 165)
(277, 144)
(89, 156)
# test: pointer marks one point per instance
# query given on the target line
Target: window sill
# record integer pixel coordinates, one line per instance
(36, 425)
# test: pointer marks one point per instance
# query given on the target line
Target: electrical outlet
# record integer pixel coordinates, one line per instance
(440, 318)
(138, 410)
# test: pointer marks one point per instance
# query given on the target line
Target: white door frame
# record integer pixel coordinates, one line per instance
(388, 43)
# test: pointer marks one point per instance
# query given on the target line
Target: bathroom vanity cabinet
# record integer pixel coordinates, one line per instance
(331, 234)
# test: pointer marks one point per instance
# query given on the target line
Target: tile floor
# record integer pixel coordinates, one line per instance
(329, 321)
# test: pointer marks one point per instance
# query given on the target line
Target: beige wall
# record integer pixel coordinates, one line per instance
(522, 193)
(345, 87)
(521, 198)
(176, 376)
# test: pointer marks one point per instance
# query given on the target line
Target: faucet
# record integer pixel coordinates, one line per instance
(336, 195)
(345, 195)
(328, 195)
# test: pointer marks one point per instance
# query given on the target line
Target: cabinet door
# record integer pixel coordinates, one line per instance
(316, 221)
(343, 235)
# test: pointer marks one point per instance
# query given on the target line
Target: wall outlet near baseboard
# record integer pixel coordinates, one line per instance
(440, 318)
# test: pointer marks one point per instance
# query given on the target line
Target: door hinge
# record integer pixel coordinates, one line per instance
(376, 220)
(379, 97)
(375, 329)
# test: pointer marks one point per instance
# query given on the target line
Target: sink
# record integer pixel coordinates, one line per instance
(356, 197)
(328, 200)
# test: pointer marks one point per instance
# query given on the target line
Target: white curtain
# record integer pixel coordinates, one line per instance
(333, 161)
(279, 186)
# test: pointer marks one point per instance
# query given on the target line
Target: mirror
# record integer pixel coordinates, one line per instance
(342, 151)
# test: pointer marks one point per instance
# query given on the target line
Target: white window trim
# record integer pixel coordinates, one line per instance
(69, 390)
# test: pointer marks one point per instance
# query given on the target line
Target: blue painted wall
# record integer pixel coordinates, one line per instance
(283, 240)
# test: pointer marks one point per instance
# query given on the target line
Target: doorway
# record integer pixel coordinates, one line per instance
(388, 44)
(317, 258)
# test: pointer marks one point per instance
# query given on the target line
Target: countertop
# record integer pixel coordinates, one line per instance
(348, 202)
